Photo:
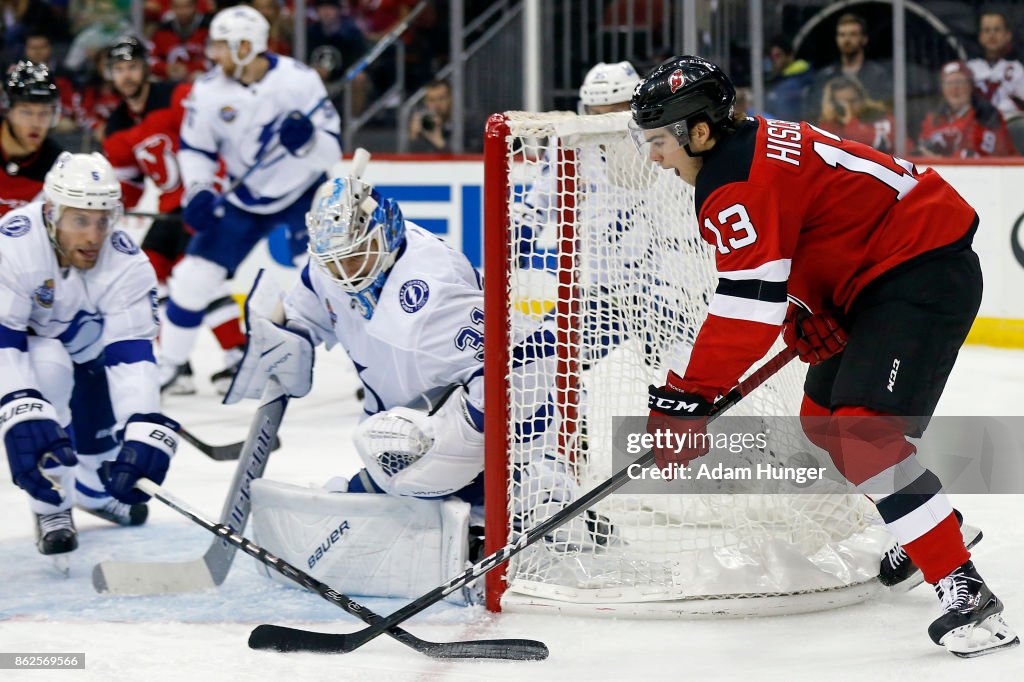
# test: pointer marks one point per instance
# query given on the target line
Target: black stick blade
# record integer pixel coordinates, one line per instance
(284, 639)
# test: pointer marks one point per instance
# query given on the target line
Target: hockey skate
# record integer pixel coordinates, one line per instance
(897, 570)
(176, 379)
(120, 513)
(222, 380)
(56, 536)
(972, 624)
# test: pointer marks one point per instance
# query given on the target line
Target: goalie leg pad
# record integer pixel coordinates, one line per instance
(362, 544)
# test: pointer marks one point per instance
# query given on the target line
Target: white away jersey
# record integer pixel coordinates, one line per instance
(111, 304)
(426, 332)
(1002, 83)
(236, 122)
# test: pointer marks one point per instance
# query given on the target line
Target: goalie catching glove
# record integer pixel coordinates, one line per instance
(413, 453)
(272, 350)
(678, 421)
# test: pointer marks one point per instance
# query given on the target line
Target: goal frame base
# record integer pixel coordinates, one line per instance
(701, 607)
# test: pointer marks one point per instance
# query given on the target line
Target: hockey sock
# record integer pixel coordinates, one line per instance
(939, 551)
(89, 489)
(222, 317)
(814, 421)
(178, 333)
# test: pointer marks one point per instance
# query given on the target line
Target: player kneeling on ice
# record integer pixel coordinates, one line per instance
(79, 385)
(878, 254)
(408, 310)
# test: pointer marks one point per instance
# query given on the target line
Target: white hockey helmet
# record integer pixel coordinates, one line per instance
(82, 181)
(608, 84)
(237, 24)
(350, 221)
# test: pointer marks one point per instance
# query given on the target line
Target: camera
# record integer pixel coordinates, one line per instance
(429, 122)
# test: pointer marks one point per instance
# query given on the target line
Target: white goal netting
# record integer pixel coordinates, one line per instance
(603, 265)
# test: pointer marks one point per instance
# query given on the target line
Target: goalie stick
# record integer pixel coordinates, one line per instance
(221, 453)
(513, 649)
(291, 639)
(209, 570)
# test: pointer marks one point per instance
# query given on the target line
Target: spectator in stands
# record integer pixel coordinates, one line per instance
(105, 24)
(999, 75)
(965, 125)
(847, 111)
(851, 39)
(39, 50)
(97, 99)
(179, 43)
(335, 44)
(787, 82)
(430, 129)
(280, 40)
(20, 17)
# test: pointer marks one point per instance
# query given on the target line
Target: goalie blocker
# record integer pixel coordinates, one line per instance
(376, 545)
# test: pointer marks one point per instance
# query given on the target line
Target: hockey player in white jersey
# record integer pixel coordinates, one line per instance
(79, 385)
(267, 117)
(408, 310)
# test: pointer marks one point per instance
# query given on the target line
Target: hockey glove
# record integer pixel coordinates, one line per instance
(199, 211)
(816, 337)
(35, 443)
(678, 422)
(150, 441)
(296, 132)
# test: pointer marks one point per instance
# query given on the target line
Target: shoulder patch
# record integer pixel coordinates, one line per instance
(228, 113)
(413, 295)
(43, 294)
(16, 226)
(123, 243)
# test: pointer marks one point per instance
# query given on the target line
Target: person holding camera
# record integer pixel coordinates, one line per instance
(430, 130)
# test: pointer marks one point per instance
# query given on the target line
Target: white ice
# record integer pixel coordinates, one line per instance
(202, 636)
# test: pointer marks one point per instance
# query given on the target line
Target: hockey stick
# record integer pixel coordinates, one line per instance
(509, 649)
(176, 217)
(290, 639)
(160, 577)
(261, 158)
(221, 453)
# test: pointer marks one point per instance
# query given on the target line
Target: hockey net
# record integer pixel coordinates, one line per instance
(597, 252)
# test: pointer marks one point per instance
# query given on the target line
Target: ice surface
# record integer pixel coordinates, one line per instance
(202, 636)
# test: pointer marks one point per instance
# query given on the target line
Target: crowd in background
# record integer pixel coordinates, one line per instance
(979, 99)
(977, 111)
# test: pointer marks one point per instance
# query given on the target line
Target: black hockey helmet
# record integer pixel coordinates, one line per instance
(125, 49)
(30, 82)
(680, 89)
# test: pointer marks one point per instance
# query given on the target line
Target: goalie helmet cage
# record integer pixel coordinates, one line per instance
(600, 248)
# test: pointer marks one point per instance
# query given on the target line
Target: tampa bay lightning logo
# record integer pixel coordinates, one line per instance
(413, 295)
(16, 226)
(123, 243)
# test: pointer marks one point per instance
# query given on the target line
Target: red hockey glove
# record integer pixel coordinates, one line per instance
(816, 337)
(678, 422)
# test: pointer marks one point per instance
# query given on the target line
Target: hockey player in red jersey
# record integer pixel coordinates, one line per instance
(876, 257)
(31, 108)
(142, 142)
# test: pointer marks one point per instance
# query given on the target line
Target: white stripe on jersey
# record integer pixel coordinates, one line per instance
(772, 271)
(737, 308)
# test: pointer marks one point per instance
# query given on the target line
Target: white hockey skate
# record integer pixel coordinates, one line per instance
(176, 379)
(972, 623)
(57, 537)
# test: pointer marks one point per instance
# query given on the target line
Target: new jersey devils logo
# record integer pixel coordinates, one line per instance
(675, 80)
(156, 156)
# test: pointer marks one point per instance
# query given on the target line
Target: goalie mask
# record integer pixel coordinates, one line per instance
(679, 92)
(355, 236)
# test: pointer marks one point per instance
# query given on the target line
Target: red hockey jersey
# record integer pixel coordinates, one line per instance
(146, 145)
(22, 181)
(795, 211)
(978, 131)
